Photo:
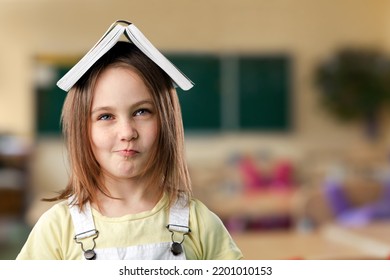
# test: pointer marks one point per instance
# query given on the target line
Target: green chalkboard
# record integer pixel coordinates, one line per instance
(201, 104)
(49, 101)
(264, 93)
(235, 93)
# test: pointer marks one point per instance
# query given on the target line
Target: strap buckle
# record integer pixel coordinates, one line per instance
(176, 247)
(89, 254)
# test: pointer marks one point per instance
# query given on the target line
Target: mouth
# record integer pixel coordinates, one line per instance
(127, 153)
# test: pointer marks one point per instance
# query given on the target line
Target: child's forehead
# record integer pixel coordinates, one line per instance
(120, 69)
(120, 85)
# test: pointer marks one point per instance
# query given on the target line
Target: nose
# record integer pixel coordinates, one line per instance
(127, 131)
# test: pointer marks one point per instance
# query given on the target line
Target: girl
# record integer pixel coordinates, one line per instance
(129, 194)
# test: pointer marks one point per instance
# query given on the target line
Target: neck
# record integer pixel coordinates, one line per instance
(127, 197)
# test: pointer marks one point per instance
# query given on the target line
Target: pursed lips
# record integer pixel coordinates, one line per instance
(127, 152)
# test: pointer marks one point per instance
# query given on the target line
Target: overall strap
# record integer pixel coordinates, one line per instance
(83, 222)
(179, 216)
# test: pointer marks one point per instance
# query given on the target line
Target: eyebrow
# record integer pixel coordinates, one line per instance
(109, 108)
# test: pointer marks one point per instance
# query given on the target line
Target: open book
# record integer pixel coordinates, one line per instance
(109, 39)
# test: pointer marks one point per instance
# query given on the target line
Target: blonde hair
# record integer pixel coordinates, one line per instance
(166, 167)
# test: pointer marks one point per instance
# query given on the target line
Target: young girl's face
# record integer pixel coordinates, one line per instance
(124, 123)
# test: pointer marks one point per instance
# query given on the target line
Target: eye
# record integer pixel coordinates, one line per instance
(142, 112)
(105, 117)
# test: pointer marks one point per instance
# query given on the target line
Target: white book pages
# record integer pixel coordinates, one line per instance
(155, 55)
(97, 51)
(107, 41)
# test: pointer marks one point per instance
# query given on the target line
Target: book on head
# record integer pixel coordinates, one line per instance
(108, 40)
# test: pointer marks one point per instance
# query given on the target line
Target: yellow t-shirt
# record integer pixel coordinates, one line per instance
(52, 236)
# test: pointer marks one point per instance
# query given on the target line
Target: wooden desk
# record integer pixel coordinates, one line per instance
(284, 245)
(373, 239)
(14, 180)
(257, 204)
(331, 242)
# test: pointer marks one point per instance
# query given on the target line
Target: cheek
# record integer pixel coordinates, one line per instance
(149, 137)
(153, 134)
(98, 139)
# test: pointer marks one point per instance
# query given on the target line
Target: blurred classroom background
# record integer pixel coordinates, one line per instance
(287, 128)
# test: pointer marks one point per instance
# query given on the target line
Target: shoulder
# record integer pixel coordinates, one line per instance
(209, 234)
(54, 220)
(57, 213)
(48, 234)
(198, 208)
(202, 218)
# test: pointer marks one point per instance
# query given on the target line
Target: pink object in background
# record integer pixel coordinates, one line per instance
(283, 175)
(251, 176)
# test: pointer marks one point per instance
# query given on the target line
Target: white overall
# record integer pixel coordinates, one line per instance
(178, 222)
